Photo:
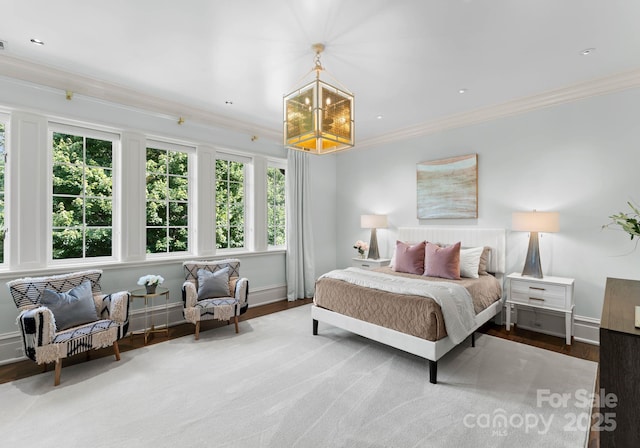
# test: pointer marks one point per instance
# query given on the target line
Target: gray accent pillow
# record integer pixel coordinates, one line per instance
(213, 284)
(72, 308)
(484, 261)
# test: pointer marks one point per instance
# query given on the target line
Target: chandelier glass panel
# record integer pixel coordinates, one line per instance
(318, 117)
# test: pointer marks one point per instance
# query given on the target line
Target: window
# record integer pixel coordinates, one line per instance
(230, 204)
(167, 199)
(276, 231)
(82, 209)
(2, 195)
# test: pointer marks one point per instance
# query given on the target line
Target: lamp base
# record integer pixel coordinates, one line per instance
(373, 246)
(532, 266)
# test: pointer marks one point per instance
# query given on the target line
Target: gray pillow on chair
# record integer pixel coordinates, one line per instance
(72, 308)
(213, 284)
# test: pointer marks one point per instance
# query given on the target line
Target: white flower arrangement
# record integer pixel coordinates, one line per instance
(149, 280)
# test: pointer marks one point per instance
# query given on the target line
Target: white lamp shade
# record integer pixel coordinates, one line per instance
(547, 222)
(373, 221)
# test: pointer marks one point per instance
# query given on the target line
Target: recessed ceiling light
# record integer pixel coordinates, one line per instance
(462, 90)
(37, 41)
(379, 117)
(587, 51)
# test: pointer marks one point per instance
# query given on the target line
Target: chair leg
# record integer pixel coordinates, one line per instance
(44, 367)
(116, 350)
(197, 330)
(236, 321)
(56, 380)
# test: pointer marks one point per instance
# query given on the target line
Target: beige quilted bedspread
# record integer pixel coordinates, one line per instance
(414, 315)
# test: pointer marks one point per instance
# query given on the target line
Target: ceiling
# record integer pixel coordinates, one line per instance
(405, 60)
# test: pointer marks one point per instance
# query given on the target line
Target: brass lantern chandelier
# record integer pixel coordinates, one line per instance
(318, 117)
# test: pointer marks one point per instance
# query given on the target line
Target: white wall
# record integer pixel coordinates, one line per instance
(31, 107)
(581, 159)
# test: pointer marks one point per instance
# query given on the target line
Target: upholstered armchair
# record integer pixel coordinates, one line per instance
(214, 290)
(63, 315)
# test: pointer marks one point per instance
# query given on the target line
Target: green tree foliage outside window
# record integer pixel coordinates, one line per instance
(230, 204)
(2, 176)
(82, 213)
(167, 201)
(276, 207)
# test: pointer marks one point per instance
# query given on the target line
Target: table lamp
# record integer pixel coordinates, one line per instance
(373, 222)
(534, 222)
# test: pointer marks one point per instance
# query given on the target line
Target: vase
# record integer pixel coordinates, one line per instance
(361, 255)
(151, 289)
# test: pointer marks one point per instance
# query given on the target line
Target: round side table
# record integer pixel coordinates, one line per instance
(148, 317)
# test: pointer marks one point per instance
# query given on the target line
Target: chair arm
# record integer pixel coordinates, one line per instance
(189, 294)
(241, 291)
(38, 328)
(113, 306)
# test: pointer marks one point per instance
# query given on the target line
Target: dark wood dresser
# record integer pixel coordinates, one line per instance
(620, 363)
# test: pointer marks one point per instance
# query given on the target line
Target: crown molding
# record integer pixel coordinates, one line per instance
(599, 86)
(106, 92)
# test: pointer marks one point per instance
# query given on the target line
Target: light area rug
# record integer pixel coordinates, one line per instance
(276, 385)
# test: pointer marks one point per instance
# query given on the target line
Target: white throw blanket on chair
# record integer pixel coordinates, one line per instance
(454, 300)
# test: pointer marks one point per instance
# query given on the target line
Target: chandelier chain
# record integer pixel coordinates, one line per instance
(318, 64)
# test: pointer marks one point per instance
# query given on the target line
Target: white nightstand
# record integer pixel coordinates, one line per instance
(548, 293)
(369, 263)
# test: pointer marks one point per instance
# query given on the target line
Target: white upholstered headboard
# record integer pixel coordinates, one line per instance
(468, 236)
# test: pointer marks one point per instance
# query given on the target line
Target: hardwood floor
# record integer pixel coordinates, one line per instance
(23, 369)
(553, 343)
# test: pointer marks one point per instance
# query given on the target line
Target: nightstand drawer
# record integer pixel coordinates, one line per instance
(369, 263)
(541, 294)
(554, 294)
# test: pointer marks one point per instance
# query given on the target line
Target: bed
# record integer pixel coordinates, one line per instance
(334, 294)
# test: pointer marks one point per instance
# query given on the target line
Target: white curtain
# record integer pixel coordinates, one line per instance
(300, 252)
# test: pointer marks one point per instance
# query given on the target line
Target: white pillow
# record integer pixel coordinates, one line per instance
(392, 263)
(470, 261)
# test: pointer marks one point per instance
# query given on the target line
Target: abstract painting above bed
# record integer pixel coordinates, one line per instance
(448, 188)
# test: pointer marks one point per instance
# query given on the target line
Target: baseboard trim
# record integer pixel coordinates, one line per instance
(11, 348)
(267, 294)
(585, 329)
(257, 297)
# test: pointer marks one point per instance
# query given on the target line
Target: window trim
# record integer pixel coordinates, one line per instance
(278, 164)
(116, 140)
(247, 186)
(166, 145)
(5, 119)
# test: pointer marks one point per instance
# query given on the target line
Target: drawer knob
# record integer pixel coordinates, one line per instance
(536, 298)
(538, 289)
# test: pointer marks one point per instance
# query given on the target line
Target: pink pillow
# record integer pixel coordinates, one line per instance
(442, 261)
(410, 258)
